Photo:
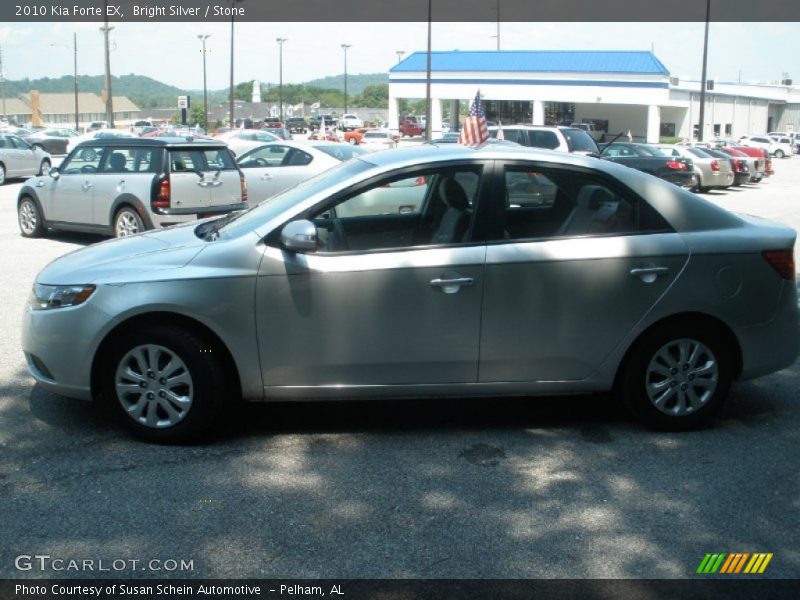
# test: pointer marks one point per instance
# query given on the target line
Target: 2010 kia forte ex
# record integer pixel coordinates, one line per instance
(427, 271)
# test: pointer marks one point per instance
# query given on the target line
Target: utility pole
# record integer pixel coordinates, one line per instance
(498, 25)
(203, 37)
(400, 55)
(280, 41)
(703, 77)
(109, 102)
(345, 47)
(75, 60)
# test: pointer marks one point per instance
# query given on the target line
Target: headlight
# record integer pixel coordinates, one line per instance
(45, 297)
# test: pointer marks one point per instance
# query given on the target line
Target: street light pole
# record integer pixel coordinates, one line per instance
(75, 51)
(233, 4)
(703, 77)
(400, 55)
(203, 37)
(345, 47)
(428, 106)
(280, 73)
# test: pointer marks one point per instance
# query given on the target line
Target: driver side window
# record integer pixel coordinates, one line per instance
(427, 208)
(84, 160)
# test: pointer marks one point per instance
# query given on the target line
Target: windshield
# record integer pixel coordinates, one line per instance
(264, 212)
(579, 140)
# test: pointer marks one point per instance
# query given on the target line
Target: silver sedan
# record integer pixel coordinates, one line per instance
(18, 158)
(427, 271)
(711, 172)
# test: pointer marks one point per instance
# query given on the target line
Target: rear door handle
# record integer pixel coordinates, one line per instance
(649, 274)
(451, 285)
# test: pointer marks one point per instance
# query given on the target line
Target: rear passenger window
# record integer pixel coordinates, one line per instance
(184, 160)
(558, 203)
(543, 139)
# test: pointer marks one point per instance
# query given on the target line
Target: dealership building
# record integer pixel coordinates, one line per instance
(618, 91)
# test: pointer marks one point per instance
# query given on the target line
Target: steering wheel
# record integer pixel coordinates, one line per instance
(341, 238)
(261, 162)
(88, 169)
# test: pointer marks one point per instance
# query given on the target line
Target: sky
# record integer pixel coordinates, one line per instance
(170, 52)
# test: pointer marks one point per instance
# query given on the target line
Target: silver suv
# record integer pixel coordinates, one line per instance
(122, 186)
(562, 139)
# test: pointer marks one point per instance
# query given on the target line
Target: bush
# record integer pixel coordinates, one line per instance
(669, 140)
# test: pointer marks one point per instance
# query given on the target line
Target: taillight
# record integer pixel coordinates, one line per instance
(714, 165)
(243, 186)
(163, 196)
(675, 165)
(782, 261)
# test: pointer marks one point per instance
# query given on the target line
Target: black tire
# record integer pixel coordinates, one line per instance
(779, 154)
(44, 167)
(2, 174)
(638, 372)
(29, 218)
(127, 222)
(207, 376)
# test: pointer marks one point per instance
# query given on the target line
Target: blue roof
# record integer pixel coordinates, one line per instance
(537, 61)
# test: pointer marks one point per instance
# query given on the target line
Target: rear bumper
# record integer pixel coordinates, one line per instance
(684, 179)
(774, 345)
(164, 217)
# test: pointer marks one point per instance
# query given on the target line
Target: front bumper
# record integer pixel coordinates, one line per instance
(59, 346)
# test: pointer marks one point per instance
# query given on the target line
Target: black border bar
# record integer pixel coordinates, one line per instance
(405, 11)
(408, 589)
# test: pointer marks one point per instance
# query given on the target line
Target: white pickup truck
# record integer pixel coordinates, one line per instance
(349, 122)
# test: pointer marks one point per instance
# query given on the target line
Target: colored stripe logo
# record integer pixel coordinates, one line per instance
(734, 563)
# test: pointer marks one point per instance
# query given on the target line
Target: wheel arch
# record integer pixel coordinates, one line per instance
(161, 317)
(129, 200)
(729, 337)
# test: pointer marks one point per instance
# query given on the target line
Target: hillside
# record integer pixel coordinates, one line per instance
(144, 91)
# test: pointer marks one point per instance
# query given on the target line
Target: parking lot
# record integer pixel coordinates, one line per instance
(529, 487)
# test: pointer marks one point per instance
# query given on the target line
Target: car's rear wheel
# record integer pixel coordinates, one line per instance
(351, 140)
(677, 377)
(2, 174)
(166, 383)
(127, 222)
(44, 167)
(779, 154)
(29, 218)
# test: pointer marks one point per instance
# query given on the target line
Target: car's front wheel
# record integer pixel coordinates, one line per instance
(127, 222)
(166, 382)
(29, 218)
(677, 377)
(2, 174)
(779, 154)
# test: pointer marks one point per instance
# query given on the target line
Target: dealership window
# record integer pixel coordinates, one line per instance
(728, 128)
(717, 129)
(667, 130)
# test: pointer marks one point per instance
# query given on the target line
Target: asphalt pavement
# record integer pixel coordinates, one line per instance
(528, 487)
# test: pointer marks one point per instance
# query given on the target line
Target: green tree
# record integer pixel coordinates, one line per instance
(375, 95)
(197, 114)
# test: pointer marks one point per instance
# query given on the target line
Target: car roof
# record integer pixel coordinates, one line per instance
(159, 142)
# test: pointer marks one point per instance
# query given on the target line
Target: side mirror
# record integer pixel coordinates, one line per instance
(299, 236)
(54, 172)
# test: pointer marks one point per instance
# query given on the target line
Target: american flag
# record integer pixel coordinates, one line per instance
(474, 131)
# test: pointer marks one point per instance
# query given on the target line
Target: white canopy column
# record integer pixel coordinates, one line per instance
(538, 112)
(653, 124)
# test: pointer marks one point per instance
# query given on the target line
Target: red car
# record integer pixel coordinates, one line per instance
(760, 159)
(410, 128)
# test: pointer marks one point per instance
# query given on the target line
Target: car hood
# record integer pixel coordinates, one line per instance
(144, 257)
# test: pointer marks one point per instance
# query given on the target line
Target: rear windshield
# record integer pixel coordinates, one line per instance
(376, 134)
(579, 140)
(699, 153)
(645, 150)
(540, 139)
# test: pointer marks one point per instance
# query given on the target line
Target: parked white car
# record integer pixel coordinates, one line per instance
(762, 141)
(274, 167)
(349, 122)
(783, 146)
(18, 158)
(242, 140)
(377, 139)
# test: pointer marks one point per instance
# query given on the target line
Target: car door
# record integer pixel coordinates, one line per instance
(297, 166)
(259, 167)
(68, 198)
(392, 297)
(26, 157)
(188, 185)
(573, 268)
(222, 177)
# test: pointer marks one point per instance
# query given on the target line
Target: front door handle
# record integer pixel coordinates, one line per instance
(649, 274)
(266, 177)
(87, 185)
(451, 285)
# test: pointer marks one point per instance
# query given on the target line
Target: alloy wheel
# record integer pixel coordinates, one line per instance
(127, 224)
(28, 219)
